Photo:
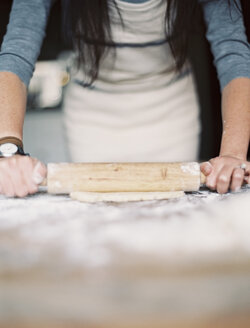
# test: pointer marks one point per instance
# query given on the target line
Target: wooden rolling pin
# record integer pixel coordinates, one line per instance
(65, 178)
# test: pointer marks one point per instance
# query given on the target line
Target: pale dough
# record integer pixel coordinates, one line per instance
(93, 197)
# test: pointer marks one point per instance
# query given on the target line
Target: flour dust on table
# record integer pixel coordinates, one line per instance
(93, 197)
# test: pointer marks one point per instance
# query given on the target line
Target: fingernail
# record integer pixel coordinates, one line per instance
(208, 167)
(237, 189)
(209, 164)
(37, 178)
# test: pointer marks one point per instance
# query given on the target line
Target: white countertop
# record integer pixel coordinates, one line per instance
(104, 262)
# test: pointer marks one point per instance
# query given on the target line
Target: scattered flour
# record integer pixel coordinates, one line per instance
(191, 168)
(46, 229)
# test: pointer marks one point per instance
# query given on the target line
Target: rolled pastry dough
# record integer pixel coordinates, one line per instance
(93, 197)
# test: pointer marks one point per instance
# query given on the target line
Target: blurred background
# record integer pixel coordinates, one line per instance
(43, 132)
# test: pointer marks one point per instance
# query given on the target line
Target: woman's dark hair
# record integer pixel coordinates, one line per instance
(88, 26)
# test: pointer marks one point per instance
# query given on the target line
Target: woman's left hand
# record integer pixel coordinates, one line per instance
(226, 173)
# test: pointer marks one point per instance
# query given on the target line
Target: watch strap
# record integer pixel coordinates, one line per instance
(21, 152)
(16, 141)
(13, 140)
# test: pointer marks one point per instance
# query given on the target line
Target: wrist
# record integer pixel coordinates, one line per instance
(234, 147)
(13, 140)
(10, 146)
(233, 155)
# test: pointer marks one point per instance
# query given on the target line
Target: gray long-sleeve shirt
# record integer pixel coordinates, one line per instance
(25, 33)
(225, 32)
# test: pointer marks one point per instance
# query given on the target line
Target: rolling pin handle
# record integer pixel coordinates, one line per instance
(203, 179)
(44, 183)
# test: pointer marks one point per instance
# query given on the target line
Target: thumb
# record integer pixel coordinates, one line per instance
(39, 173)
(206, 168)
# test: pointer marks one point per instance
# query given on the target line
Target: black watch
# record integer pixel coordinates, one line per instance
(10, 149)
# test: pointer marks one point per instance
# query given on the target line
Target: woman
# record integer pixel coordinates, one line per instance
(126, 103)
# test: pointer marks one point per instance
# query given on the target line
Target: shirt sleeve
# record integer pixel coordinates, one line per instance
(24, 36)
(228, 40)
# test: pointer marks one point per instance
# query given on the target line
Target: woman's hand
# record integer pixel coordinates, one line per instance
(225, 173)
(20, 175)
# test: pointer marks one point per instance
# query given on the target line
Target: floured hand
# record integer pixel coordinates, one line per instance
(224, 173)
(20, 175)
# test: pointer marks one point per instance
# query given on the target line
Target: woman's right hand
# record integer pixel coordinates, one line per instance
(20, 175)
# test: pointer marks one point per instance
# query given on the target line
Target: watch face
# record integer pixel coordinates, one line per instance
(8, 149)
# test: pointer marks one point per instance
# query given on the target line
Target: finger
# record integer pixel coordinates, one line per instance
(237, 179)
(19, 183)
(206, 168)
(247, 180)
(34, 173)
(16, 165)
(247, 170)
(6, 185)
(39, 173)
(27, 174)
(211, 180)
(224, 179)
(5, 180)
(247, 176)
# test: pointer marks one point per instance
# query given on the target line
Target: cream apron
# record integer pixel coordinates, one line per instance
(137, 110)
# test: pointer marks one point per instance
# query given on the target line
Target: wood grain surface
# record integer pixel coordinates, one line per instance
(64, 178)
